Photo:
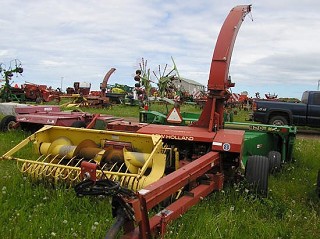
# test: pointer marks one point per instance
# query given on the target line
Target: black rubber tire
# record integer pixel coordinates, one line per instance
(278, 120)
(275, 161)
(79, 124)
(7, 123)
(257, 173)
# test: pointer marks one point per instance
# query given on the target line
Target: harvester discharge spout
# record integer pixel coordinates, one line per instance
(219, 81)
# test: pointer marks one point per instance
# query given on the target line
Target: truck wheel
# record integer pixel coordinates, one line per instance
(278, 120)
(257, 173)
(275, 161)
(7, 123)
(79, 124)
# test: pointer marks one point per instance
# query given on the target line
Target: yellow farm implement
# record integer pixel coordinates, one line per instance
(134, 160)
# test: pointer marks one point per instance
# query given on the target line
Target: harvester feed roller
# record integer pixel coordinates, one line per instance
(133, 160)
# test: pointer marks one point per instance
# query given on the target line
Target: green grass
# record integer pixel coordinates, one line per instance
(38, 210)
(292, 209)
(133, 111)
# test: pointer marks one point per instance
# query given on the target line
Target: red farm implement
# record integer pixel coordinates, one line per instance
(34, 117)
(142, 165)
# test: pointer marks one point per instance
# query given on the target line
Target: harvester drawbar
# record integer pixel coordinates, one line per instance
(175, 166)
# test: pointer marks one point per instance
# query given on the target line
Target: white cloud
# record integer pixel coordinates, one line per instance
(81, 41)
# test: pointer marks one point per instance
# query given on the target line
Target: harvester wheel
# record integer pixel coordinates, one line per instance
(278, 120)
(7, 123)
(275, 161)
(257, 173)
(79, 124)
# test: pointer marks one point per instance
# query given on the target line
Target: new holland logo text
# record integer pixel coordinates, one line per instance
(176, 137)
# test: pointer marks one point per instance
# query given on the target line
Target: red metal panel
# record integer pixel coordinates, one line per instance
(163, 188)
(33, 109)
(125, 126)
(159, 222)
(65, 120)
(228, 140)
(184, 133)
(183, 204)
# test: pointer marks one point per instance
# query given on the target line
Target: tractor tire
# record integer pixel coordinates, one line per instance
(7, 123)
(79, 124)
(275, 161)
(257, 173)
(278, 120)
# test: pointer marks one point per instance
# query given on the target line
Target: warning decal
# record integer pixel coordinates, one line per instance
(174, 116)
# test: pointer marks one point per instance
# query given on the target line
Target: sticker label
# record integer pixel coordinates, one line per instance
(174, 116)
(226, 146)
(143, 191)
(216, 144)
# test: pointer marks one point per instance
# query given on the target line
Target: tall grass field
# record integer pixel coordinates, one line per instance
(31, 209)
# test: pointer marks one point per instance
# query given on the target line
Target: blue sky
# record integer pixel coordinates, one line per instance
(278, 52)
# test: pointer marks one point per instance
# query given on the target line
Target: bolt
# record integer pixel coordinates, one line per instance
(86, 175)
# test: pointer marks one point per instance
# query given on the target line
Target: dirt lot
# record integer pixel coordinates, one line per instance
(308, 136)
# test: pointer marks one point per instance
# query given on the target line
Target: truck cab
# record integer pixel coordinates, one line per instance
(312, 100)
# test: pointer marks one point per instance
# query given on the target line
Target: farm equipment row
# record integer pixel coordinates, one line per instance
(142, 165)
(42, 93)
(27, 91)
(101, 98)
(32, 118)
